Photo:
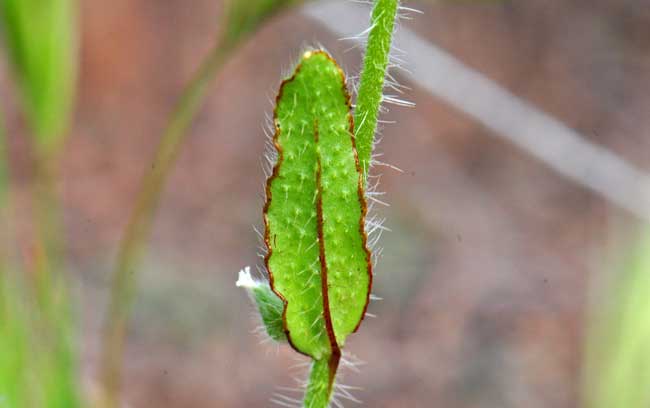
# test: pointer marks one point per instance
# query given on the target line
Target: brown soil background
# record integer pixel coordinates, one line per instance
(485, 274)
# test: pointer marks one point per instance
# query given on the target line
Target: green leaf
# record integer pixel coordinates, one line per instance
(40, 37)
(317, 256)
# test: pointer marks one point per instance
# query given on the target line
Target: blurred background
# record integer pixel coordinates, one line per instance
(495, 261)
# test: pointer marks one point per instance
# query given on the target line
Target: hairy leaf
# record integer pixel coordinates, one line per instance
(317, 257)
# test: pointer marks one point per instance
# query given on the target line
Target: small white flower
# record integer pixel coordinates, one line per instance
(245, 279)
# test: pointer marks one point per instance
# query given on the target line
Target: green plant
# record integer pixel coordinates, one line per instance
(617, 368)
(318, 260)
(40, 37)
(37, 357)
(35, 315)
(373, 75)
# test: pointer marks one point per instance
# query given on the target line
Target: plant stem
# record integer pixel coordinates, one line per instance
(375, 64)
(321, 382)
(132, 243)
(49, 251)
(4, 166)
(53, 322)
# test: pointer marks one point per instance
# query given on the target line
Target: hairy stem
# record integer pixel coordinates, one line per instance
(375, 64)
(321, 382)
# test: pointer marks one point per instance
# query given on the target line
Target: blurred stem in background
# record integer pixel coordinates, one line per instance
(241, 19)
(41, 39)
(4, 197)
(37, 358)
(37, 353)
(617, 366)
(134, 239)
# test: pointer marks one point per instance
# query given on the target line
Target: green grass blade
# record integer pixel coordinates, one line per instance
(41, 39)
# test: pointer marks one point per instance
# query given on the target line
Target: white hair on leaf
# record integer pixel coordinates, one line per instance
(245, 279)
